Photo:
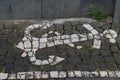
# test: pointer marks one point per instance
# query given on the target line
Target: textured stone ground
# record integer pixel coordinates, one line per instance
(106, 59)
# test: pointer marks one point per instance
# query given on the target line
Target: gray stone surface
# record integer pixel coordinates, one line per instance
(42, 9)
(20, 9)
(117, 11)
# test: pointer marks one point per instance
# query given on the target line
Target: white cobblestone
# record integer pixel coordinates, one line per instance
(27, 44)
(62, 74)
(59, 74)
(21, 75)
(117, 73)
(45, 75)
(42, 45)
(24, 54)
(70, 74)
(103, 74)
(35, 44)
(11, 76)
(112, 74)
(29, 75)
(54, 74)
(50, 44)
(97, 44)
(71, 45)
(79, 47)
(38, 74)
(43, 40)
(94, 74)
(3, 75)
(94, 32)
(88, 27)
(77, 73)
(85, 74)
(58, 42)
(32, 59)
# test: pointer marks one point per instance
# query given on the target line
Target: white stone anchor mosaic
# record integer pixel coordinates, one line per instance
(31, 44)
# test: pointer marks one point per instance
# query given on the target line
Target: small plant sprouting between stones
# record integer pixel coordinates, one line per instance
(96, 14)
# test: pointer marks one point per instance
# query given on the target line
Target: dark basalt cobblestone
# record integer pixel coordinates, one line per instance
(85, 59)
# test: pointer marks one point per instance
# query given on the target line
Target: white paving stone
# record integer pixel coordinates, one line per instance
(20, 45)
(50, 61)
(45, 75)
(97, 44)
(62, 74)
(110, 33)
(56, 37)
(42, 45)
(30, 54)
(38, 74)
(27, 32)
(30, 27)
(11, 76)
(83, 37)
(85, 74)
(24, 54)
(29, 75)
(24, 39)
(90, 36)
(66, 41)
(50, 39)
(97, 37)
(32, 58)
(35, 44)
(88, 27)
(112, 74)
(70, 74)
(44, 35)
(57, 33)
(71, 45)
(36, 25)
(57, 60)
(50, 32)
(45, 27)
(74, 36)
(103, 74)
(94, 32)
(94, 74)
(75, 39)
(54, 74)
(43, 40)
(117, 73)
(44, 62)
(59, 74)
(58, 42)
(77, 73)
(79, 47)
(21, 75)
(3, 75)
(50, 44)
(27, 44)
(37, 62)
(112, 40)
(65, 37)
(49, 24)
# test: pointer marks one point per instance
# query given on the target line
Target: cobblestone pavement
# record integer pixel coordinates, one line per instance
(25, 56)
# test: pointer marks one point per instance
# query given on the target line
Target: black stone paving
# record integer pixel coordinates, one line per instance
(85, 59)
